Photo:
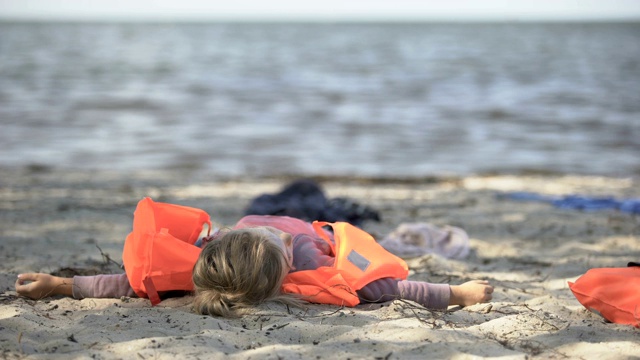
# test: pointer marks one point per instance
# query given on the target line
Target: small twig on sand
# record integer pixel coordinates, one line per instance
(412, 307)
(20, 342)
(107, 258)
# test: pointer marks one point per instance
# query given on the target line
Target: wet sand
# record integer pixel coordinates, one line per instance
(64, 221)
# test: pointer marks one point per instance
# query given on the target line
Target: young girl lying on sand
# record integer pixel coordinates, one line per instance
(260, 260)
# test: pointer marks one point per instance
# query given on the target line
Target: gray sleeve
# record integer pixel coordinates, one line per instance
(431, 296)
(102, 286)
(310, 253)
(381, 290)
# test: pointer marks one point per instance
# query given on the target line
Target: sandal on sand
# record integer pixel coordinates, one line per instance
(417, 239)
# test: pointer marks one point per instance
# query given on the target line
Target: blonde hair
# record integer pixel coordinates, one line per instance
(241, 269)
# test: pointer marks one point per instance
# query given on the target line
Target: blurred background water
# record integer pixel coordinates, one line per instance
(367, 99)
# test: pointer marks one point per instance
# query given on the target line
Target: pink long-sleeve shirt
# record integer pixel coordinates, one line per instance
(309, 252)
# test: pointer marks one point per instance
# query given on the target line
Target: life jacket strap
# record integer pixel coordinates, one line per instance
(152, 293)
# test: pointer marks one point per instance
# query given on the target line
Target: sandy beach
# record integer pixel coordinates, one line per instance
(67, 222)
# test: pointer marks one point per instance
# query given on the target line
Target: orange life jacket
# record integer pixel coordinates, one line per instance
(359, 260)
(159, 253)
(614, 293)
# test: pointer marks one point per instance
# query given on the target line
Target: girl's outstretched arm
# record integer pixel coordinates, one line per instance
(431, 296)
(37, 286)
(471, 293)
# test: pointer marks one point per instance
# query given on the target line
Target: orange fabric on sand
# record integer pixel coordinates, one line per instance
(614, 293)
(359, 261)
(159, 253)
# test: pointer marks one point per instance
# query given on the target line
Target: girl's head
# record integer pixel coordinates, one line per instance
(242, 268)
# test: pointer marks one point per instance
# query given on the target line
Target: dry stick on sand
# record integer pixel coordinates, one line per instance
(107, 258)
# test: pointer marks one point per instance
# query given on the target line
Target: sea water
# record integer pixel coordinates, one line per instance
(384, 100)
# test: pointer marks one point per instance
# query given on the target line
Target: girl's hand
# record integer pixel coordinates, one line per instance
(38, 286)
(471, 293)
